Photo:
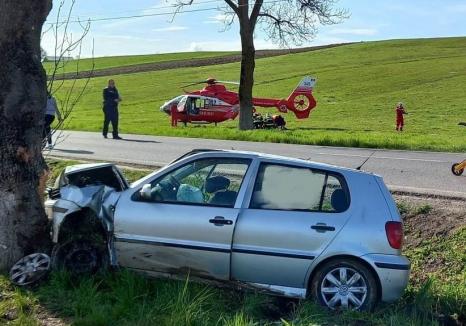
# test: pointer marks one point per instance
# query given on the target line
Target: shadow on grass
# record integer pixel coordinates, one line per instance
(315, 128)
(140, 140)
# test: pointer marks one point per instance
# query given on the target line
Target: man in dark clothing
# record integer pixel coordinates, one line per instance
(110, 108)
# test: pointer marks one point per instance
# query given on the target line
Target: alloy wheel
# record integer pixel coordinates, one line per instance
(343, 288)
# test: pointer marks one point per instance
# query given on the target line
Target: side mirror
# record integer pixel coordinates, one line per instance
(146, 191)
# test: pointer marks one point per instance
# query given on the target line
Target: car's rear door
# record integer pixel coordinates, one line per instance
(180, 229)
(293, 214)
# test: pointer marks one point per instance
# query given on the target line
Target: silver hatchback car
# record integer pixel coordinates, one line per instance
(285, 226)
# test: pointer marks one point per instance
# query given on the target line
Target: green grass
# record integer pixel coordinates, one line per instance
(124, 298)
(357, 89)
(118, 61)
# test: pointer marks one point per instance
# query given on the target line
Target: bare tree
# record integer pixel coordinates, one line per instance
(23, 223)
(66, 45)
(284, 22)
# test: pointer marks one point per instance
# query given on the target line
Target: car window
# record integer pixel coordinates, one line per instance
(293, 188)
(332, 201)
(213, 182)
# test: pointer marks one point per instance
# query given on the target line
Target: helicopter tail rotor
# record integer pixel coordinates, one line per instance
(301, 101)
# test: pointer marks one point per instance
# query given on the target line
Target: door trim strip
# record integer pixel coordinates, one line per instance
(214, 249)
(171, 244)
(271, 253)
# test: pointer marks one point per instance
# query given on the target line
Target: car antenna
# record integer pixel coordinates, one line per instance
(367, 159)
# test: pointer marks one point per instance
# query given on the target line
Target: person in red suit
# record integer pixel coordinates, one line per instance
(400, 112)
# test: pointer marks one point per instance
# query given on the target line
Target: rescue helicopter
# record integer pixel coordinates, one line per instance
(214, 103)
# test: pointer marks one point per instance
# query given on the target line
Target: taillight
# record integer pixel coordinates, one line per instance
(394, 232)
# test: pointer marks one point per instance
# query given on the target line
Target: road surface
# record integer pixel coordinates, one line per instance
(424, 172)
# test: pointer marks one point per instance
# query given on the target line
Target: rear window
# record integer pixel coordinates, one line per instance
(281, 187)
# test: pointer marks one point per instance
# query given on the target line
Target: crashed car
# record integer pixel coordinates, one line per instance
(287, 226)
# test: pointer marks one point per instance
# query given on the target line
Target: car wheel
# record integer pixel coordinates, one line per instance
(80, 256)
(455, 171)
(345, 284)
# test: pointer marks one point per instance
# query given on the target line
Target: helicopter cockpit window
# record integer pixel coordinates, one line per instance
(208, 103)
(193, 105)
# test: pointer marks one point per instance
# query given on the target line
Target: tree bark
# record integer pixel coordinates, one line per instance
(247, 76)
(23, 223)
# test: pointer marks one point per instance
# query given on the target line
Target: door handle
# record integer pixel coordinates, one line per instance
(322, 227)
(220, 220)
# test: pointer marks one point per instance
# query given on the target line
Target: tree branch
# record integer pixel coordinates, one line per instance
(233, 6)
(255, 13)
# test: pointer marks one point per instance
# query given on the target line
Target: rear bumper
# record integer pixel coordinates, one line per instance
(393, 272)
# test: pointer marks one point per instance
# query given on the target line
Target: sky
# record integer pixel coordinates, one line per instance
(203, 29)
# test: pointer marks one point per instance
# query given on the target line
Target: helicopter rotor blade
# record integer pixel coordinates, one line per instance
(228, 82)
(195, 83)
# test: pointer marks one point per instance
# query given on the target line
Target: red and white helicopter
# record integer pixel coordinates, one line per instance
(214, 103)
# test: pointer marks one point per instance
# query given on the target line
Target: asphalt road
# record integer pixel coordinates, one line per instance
(424, 172)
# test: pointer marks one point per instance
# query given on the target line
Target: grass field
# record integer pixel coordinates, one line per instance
(357, 89)
(118, 61)
(436, 294)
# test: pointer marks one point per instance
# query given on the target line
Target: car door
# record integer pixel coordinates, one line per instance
(293, 214)
(183, 221)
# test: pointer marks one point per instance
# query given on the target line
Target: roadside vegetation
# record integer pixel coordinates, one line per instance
(435, 242)
(357, 89)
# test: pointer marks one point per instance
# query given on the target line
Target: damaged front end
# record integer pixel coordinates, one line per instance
(80, 208)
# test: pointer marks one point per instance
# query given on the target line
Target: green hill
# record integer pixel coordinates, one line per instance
(357, 89)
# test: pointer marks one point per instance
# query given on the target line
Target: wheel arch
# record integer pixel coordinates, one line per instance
(81, 222)
(338, 258)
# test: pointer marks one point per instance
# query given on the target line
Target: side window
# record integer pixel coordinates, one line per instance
(208, 103)
(335, 198)
(294, 188)
(213, 182)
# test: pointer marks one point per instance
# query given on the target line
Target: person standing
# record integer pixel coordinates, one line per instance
(51, 110)
(110, 108)
(400, 112)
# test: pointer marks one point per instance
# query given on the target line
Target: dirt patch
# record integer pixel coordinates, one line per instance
(427, 222)
(175, 64)
(427, 218)
(45, 318)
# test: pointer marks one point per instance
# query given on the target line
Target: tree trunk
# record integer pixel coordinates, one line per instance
(23, 223)
(247, 77)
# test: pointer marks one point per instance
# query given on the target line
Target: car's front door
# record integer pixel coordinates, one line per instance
(293, 214)
(183, 221)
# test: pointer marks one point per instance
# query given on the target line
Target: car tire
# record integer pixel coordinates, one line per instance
(330, 285)
(456, 172)
(80, 256)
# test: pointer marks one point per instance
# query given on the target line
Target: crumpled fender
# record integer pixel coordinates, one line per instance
(100, 199)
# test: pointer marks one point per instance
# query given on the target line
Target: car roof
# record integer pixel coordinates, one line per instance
(272, 157)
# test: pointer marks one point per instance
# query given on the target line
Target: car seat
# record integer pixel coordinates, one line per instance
(218, 186)
(339, 201)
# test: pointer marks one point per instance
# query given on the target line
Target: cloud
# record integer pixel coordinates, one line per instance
(231, 45)
(217, 19)
(353, 31)
(168, 4)
(170, 29)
